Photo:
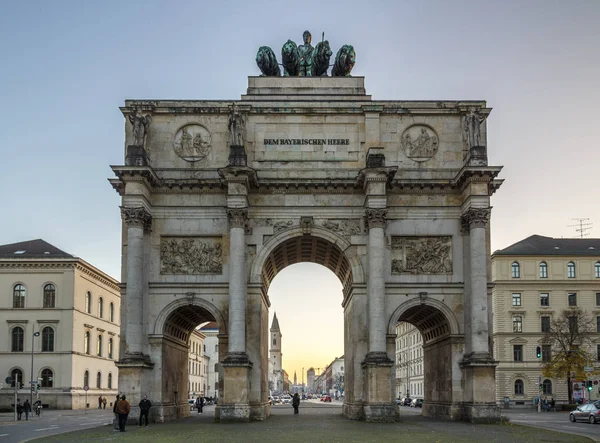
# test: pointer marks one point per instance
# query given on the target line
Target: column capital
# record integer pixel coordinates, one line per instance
(136, 217)
(237, 217)
(476, 218)
(376, 217)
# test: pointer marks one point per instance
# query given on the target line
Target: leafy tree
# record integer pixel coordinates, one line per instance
(570, 337)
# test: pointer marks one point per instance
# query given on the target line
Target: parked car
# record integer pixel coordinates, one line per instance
(416, 403)
(191, 402)
(405, 401)
(399, 401)
(589, 412)
(326, 398)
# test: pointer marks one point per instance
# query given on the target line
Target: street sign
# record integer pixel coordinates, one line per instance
(590, 375)
(8, 380)
(588, 369)
(86, 387)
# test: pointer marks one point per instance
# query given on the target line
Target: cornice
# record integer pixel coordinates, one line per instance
(95, 276)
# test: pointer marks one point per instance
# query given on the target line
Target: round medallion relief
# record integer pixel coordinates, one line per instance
(192, 143)
(419, 142)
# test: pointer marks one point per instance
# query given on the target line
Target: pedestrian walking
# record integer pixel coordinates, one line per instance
(116, 415)
(19, 409)
(27, 409)
(145, 406)
(103, 402)
(123, 409)
(296, 402)
(552, 405)
(200, 404)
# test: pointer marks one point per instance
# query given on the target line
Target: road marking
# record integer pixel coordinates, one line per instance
(4, 435)
(46, 429)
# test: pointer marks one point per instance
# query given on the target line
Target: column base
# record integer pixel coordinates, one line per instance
(380, 405)
(353, 411)
(479, 395)
(235, 406)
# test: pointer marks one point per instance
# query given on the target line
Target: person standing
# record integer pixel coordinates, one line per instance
(123, 409)
(103, 402)
(100, 402)
(296, 402)
(145, 406)
(19, 410)
(116, 415)
(27, 409)
(200, 404)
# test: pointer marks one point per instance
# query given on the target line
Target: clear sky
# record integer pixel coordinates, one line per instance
(66, 67)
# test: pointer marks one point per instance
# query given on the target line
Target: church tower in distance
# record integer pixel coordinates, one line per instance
(275, 354)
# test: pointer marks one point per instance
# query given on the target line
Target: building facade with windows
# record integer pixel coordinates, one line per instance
(534, 281)
(197, 365)
(69, 311)
(211, 354)
(409, 361)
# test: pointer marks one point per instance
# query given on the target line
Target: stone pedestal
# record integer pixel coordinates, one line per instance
(479, 395)
(134, 375)
(235, 406)
(380, 405)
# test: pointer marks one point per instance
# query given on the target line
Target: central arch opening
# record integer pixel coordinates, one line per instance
(307, 279)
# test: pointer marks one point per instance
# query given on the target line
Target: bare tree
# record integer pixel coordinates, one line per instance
(570, 336)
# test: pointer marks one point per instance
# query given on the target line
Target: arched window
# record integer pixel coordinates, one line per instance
(570, 270)
(49, 296)
(547, 387)
(17, 335)
(518, 387)
(98, 380)
(109, 380)
(86, 378)
(99, 346)
(516, 270)
(111, 312)
(47, 378)
(87, 342)
(100, 307)
(19, 296)
(543, 270)
(110, 348)
(47, 339)
(88, 302)
(14, 374)
(597, 269)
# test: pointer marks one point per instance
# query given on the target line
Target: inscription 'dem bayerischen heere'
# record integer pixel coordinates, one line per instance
(306, 141)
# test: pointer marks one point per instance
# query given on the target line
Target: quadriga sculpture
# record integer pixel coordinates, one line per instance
(290, 59)
(267, 62)
(344, 61)
(320, 58)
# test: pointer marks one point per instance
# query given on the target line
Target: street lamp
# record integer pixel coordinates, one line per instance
(33, 335)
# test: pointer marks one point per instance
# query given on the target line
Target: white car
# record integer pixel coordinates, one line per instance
(286, 399)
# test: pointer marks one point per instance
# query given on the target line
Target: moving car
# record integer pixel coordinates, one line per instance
(416, 403)
(589, 412)
(286, 399)
(326, 398)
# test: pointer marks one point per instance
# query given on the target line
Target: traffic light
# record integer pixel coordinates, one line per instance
(589, 385)
(38, 387)
(541, 387)
(538, 352)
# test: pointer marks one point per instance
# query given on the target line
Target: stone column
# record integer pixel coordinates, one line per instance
(237, 281)
(476, 220)
(136, 219)
(376, 282)
(479, 387)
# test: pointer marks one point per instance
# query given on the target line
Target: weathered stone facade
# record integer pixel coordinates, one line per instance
(318, 172)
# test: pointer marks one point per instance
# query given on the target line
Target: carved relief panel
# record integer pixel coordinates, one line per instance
(419, 142)
(191, 255)
(421, 255)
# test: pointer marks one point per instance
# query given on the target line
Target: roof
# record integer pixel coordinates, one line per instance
(275, 324)
(32, 249)
(210, 325)
(540, 245)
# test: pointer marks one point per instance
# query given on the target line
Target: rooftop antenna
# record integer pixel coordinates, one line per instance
(581, 226)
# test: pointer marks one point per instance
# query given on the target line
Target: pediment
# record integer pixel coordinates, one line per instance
(518, 341)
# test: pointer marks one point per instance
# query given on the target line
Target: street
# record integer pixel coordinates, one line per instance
(51, 422)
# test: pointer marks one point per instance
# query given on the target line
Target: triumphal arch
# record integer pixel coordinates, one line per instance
(392, 196)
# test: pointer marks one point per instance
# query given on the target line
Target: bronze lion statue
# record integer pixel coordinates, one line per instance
(290, 59)
(320, 58)
(344, 61)
(267, 62)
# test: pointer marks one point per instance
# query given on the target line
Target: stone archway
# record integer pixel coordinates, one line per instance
(443, 348)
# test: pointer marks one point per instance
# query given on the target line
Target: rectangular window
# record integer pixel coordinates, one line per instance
(598, 324)
(544, 299)
(573, 326)
(545, 324)
(546, 352)
(598, 352)
(518, 352)
(517, 323)
(516, 299)
(597, 298)
(572, 298)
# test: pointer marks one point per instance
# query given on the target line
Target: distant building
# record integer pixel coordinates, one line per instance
(310, 380)
(211, 342)
(276, 376)
(534, 280)
(409, 361)
(75, 310)
(197, 365)
(334, 377)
